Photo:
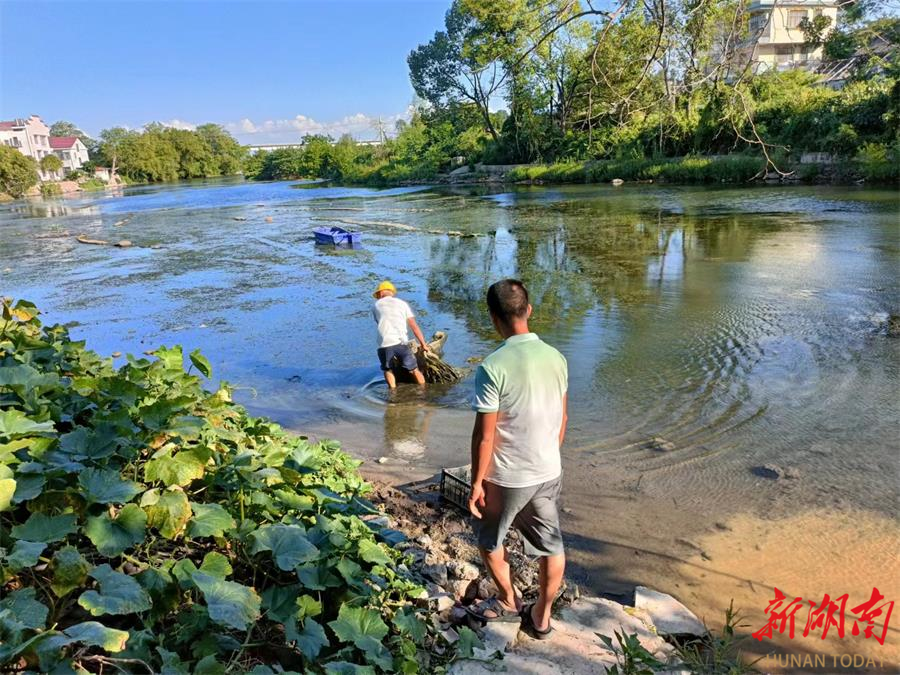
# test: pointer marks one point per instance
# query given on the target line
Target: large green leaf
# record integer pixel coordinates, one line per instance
(355, 623)
(112, 536)
(376, 653)
(15, 424)
(201, 363)
(228, 603)
(70, 570)
(27, 612)
(410, 623)
(83, 443)
(288, 544)
(106, 486)
(7, 490)
(347, 668)
(310, 640)
(372, 552)
(40, 527)
(28, 486)
(119, 594)
(178, 469)
(95, 634)
(280, 602)
(172, 359)
(210, 520)
(168, 511)
(24, 554)
(22, 378)
(216, 565)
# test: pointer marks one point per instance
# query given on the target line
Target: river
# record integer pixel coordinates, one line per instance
(738, 327)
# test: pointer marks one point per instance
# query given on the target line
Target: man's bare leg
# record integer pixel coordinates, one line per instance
(417, 374)
(549, 580)
(390, 379)
(497, 563)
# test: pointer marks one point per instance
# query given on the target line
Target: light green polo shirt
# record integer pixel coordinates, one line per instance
(524, 381)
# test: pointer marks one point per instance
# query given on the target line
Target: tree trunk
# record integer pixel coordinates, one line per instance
(432, 365)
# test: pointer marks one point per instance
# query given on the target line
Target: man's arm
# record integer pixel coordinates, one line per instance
(565, 419)
(482, 450)
(417, 332)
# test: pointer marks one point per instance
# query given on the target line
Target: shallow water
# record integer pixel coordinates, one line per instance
(743, 326)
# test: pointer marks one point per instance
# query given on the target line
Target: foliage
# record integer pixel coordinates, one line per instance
(718, 654)
(160, 153)
(729, 169)
(50, 189)
(879, 163)
(146, 518)
(18, 173)
(632, 658)
(50, 163)
(63, 128)
(93, 185)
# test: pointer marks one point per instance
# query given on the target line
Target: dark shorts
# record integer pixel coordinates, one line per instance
(531, 510)
(401, 352)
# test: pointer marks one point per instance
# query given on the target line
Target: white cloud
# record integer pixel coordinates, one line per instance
(179, 124)
(359, 125)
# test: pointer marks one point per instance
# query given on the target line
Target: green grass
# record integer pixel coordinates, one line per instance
(93, 185)
(729, 169)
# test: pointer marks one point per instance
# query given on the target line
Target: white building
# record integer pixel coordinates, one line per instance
(776, 40)
(32, 138)
(70, 150)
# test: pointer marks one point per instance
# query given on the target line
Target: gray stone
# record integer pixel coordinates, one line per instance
(437, 573)
(668, 615)
(125, 243)
(497, 636)
(450, 635)
(424, 540)
(444, 601)
(486, 588)
(459, 569)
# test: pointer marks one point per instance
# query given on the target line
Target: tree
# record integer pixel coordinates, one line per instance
(18, 173)
(228, 153)
(51, 164)
(111, 143)
(450, 68)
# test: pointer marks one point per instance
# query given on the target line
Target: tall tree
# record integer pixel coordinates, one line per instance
(18, 173)
(63, 128)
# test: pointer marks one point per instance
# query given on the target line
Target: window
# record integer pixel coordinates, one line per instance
(795, 17)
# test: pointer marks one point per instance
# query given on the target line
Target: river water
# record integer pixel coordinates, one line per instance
(736, 327)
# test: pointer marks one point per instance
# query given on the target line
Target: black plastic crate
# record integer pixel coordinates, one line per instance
(455, 486)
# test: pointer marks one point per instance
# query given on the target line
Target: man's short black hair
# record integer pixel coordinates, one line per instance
(508, 300)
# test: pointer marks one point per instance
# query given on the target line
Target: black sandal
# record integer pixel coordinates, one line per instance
(530, 629)
(494, 605)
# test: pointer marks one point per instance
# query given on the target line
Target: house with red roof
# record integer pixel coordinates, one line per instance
(70, 150)
(32, 138)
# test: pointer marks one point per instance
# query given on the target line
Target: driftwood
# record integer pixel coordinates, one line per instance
(84, 239)
(431, 363)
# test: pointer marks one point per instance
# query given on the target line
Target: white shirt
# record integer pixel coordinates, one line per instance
(391, 314)
(524, 382)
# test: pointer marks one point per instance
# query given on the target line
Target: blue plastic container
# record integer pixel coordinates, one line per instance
(337, 236)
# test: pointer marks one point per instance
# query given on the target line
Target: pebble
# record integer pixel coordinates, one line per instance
(125, 243)
(567, 510)
(269, 219)
(382, 460)
(450, 636)
(437, 573)
(424, 540)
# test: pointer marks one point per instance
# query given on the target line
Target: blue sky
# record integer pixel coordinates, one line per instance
(269, 71)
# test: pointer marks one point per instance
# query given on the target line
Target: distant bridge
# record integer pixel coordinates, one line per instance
(253, 149)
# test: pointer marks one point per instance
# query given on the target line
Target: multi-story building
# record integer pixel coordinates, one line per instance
(776, 39)
(70, 150)
(32, 138)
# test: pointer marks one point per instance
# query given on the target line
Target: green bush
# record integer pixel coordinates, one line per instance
(93, 184)
(18, 173)
(879, 163)
(50, 190)
(145, 517)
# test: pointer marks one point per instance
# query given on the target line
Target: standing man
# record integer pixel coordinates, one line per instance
(393, 316)
(520, 399)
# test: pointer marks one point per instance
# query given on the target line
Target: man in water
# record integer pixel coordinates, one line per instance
(393, 316)
(520, 399)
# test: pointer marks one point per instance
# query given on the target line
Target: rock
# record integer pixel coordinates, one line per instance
(498, 636)
(458, 569)
(659, 444)
(471, 593)
(486, 588)
(776, 472)
(269, 219)
(377, 521)
(116, 355)
(893, 325)
(239, 218)
(418, 554)
(424, 540)
(458, 587)
(382, 460)
(617, 181)
(437, 573)
(458, 616)
(450, 635)
(567, 510)
(668, 615)
(124, 243)
(445, 601)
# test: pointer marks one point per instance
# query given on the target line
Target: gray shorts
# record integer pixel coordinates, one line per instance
(531, 510)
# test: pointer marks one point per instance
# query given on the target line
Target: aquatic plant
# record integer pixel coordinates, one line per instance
(150, 525)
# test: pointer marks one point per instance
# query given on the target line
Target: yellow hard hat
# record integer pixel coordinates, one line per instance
(384, 286)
